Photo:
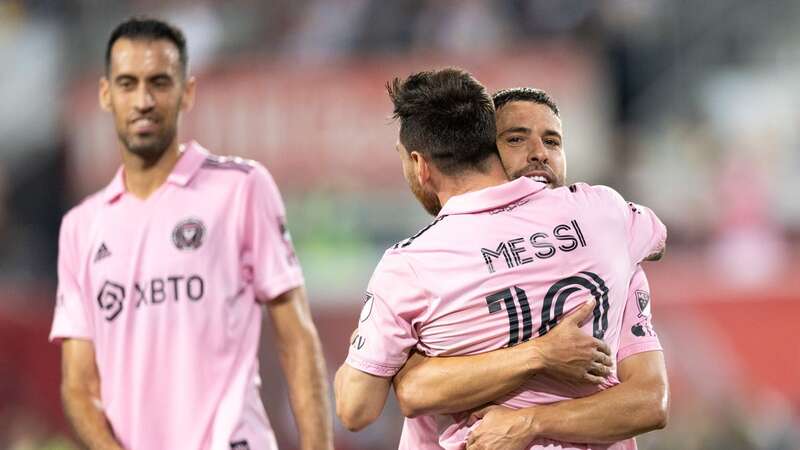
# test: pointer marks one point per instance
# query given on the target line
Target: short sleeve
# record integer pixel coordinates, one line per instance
(646, 234)
(268, 254)
(70, 319)
(386, 331)
(637, 335)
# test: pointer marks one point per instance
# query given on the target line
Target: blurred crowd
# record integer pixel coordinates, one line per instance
(696, 115)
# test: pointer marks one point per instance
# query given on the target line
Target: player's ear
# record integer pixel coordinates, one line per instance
(104, 94)
(187, 102)
(423, 167)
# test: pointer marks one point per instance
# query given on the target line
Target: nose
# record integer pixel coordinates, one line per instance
(144, 99)
(537, 152)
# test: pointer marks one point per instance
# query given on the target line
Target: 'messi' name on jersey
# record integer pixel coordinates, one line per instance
(515, 252)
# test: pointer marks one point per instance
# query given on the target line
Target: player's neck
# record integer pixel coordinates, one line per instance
(143, 177)
(473, 181)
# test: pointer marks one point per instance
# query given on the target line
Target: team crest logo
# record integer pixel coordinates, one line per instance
(188, 234)
(643, 300)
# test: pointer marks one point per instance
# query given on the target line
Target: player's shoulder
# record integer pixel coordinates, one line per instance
(84, 210)
(421, 235)
(235, 170)
(231, 167)
(229, 164)
(601, 190)
(592, 193)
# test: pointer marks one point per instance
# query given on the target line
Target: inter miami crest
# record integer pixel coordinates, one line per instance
(188, 234)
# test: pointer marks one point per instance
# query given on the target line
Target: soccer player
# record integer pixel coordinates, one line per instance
(162, 276)
(501, 264)
(530, 142)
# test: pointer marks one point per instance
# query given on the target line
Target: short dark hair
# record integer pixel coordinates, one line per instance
(524, 94)
(446, 115)
(147, 28)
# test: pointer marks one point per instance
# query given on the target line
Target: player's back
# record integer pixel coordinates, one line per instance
(500, 266)
(502, 276)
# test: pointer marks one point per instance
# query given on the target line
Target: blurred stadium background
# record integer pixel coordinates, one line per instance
(688, 106)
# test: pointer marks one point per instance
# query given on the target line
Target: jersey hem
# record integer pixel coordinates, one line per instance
(634, 349)
(371, 368)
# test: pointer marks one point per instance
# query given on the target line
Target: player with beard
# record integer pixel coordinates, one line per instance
(502, 263)
(163, 274)
(531, 144)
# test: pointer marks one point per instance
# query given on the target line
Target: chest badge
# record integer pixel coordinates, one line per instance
(188, 234)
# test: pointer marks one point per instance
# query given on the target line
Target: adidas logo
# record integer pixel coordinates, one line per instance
(102, 252)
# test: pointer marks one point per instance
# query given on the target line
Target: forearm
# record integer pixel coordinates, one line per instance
(454, 384)
(88, 420)
(305, 371)
(618, 413)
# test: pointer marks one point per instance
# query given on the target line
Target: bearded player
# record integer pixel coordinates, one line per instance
(502, 262)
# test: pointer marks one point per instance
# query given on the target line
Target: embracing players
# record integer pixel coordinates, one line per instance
(501, 264)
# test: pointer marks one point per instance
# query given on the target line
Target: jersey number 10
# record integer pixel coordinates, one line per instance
(552, 306)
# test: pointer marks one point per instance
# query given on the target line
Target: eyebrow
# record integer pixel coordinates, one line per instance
(124, 76)
(516, 130)
(526, 130)
(550, 132)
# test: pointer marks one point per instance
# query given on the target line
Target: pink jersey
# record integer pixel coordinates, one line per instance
(637, 336)
(498, 267)
(166, 290)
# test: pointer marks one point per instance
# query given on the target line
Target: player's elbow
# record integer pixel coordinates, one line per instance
(353, 417)
(661, 409)
(408, 400)
(657, 408)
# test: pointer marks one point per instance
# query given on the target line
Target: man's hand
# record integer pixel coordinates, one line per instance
(501, 428)
(569, 354)
(459, 383)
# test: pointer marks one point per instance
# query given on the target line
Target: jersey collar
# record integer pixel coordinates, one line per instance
(192, 158)
(492, 197)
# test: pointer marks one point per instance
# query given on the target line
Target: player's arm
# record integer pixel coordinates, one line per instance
(80, 393)
(639, 402)
(381, 344)
(360, 397)
(301, 357)
(637, 405)
(453, 384)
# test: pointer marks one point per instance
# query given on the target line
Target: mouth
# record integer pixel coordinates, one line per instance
(144, 125)
(542, 176)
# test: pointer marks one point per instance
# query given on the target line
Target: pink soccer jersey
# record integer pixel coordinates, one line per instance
(166, 289)
(636, 336)
(500, 266)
